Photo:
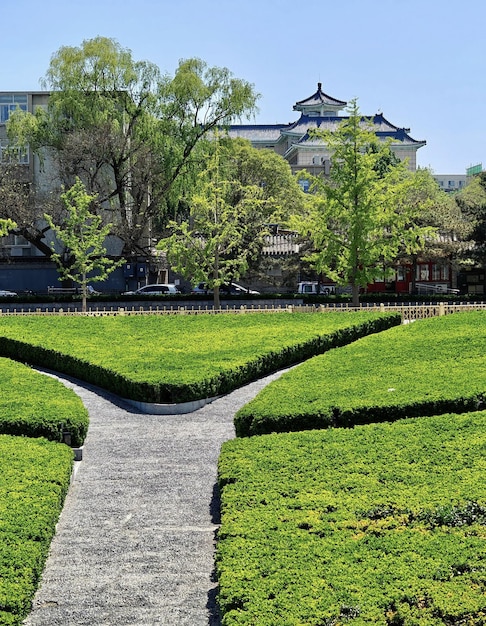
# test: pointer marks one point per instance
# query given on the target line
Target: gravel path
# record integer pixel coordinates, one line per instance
(135, 541)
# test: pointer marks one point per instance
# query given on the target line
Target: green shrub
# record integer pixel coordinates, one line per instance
(424, 368)
(34, 478)
(179, 358)
(378, 525)
(35, 405)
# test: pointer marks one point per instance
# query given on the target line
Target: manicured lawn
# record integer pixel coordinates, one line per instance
(174, 358)
(35, 405)
(380, 525)
(424, 368)
(34, 478)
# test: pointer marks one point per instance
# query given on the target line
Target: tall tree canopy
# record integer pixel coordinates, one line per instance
(128, 132)
(358, 219)
(240, 192)
(472, 202)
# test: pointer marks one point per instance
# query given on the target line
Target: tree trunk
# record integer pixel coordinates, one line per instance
(84, 294)
(355, 294)
(216, 299)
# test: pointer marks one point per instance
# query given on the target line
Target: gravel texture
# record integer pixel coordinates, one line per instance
(135, 541)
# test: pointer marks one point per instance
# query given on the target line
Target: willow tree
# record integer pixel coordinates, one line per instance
(358, 220)
(128, 132)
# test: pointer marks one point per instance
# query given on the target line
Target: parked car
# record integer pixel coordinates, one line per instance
(201, 289)
(236, 290)
(315, 288)
(232, 289)
(7, 294)
(154, 290)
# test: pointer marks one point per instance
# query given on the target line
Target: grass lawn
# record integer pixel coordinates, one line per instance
(383, 524)
(33, 405)
(426, 367)
(172, 350)
(34, 479)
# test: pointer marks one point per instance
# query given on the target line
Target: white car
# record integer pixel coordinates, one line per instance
(154, 290)
(232, 289)
(7, 294)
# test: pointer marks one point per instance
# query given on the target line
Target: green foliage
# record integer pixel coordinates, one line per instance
(239, 193)
(83, 236)
(35, 405)
(359, 220)
(183, 358)
(424, 368)
(34, 478)
(131, 134)
(5, 226)
(472, 201)
(377, 525)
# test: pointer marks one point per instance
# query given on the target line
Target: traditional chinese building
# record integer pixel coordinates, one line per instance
(292, 141)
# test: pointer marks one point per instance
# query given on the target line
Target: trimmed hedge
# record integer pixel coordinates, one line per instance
(380, 525)
(424, 368)
(180, 358)
(34, 479)
(35, 405)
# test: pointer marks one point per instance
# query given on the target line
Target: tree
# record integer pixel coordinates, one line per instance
(472, 202)
(5, 226)
(438, 210)
(358, 220)
(83, 237)
(241, 191)
(129, 133)
(25, 207)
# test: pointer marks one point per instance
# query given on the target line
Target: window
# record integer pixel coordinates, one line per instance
(423, 272)
(440, 272)
(452, 183)
(16, 155)
(21, 241)
(9, 103)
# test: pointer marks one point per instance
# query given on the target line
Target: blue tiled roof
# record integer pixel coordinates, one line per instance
(272, 133)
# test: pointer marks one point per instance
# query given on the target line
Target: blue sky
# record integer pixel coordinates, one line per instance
(420, 62)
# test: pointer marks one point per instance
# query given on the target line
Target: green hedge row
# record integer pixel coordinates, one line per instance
(34, 479)
(382, 525)
(169, 359)
(35, 405)
(424, 368)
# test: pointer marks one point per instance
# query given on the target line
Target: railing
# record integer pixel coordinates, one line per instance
(62, 291)
(434, 288)
(408, 312)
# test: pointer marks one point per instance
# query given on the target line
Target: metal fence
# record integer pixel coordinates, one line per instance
(408, 311)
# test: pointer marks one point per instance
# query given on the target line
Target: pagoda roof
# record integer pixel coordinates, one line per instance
(379, 125)
(273, 133)
(319, 98)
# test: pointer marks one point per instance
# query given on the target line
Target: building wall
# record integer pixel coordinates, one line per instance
(451, 182)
